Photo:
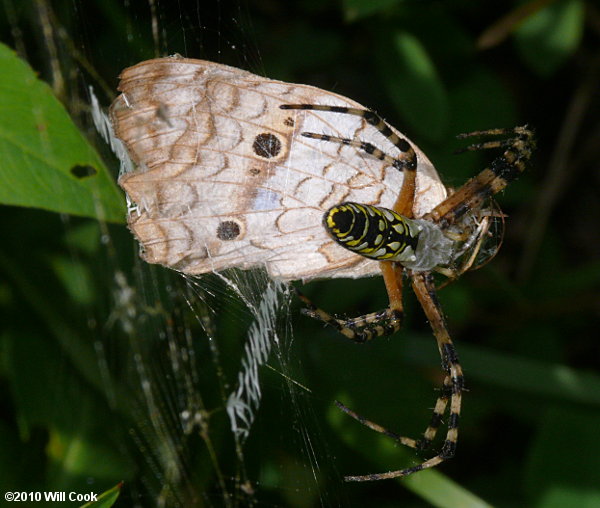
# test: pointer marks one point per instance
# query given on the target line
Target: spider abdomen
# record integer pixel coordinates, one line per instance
(372, 231)
(382, 234)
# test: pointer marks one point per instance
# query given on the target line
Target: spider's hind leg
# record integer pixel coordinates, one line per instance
(436, 417)
(452, 389)
(431, 430)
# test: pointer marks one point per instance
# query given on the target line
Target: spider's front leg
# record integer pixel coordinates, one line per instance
(493, 179)
(407, 157)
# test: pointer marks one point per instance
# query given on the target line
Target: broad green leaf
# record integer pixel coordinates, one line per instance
(415, 87)
(550, 36)
(441, 491)
(45, 162)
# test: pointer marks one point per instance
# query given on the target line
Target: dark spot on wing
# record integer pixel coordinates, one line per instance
(266, 145)
(228, 230)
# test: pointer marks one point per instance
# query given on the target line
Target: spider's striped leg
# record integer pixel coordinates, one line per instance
(408, 157)
(366, 147)
(429, 434)
(499, 131)
(406, 441)
(360, 329)
(503, 170)
(487, 145)
(438, 412)
(424, 287)
(393, 272)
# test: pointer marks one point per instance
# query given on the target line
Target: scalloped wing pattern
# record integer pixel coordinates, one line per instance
(224, 179)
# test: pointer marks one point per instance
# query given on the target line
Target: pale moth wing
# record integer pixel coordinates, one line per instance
(224, 179)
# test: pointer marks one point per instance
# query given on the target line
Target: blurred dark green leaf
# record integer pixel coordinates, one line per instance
(76, 278)
(550, 36)
(319, 48)
(414, 86)
(481, 101)
(565, 460)
(356, 9)
(77, 447)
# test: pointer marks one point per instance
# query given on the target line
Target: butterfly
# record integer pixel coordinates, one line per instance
(224, 177)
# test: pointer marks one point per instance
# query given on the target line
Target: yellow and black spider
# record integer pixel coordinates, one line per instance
(415, 248)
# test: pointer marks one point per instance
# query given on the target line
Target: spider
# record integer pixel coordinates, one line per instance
(415, 248)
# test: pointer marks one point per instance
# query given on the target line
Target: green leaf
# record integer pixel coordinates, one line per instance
(106, 499)
(76, 278)
(441, 491)
(550, 36)
(45, 162)
(415, 87)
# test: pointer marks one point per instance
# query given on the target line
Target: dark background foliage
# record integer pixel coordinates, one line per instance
(525, 325)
